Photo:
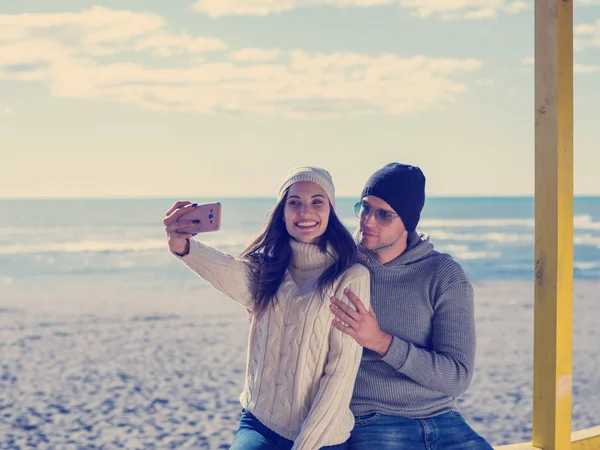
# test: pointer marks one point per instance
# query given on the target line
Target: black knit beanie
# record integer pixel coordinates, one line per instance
(403, 188)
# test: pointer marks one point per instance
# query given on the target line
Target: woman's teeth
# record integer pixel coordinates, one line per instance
(306, 224)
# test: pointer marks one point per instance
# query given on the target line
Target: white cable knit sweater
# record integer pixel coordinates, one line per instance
(300, 370)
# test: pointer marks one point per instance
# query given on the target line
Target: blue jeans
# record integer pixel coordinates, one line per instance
(253, 435)
(447, 431)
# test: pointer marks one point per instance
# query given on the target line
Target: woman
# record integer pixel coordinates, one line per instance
(300, 370)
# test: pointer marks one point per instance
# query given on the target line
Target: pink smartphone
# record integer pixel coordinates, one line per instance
(209, 215)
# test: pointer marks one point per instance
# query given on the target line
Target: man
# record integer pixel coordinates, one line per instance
(419, 336)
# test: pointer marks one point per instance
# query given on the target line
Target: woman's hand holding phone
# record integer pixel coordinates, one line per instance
(178, 242)
(184, 220)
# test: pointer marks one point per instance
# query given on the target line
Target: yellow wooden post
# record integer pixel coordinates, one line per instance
(553, 224)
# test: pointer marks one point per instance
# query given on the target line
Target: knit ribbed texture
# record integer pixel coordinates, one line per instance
(309, 173)
(402, 187)
(300, 369)
(425, 301)
(309, 256)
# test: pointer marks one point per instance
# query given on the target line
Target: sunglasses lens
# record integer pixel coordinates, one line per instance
(361, 210)
(383, 217)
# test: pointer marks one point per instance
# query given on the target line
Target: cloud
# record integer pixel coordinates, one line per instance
(485, 82)
(169, 45)
(465, 9)
(218, 8)
(96, 55)
(97, 32)
(529, 61)
(585, 69)
(587, 35)
(255, 55)
(447, 9)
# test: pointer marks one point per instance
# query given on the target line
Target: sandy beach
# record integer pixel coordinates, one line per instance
(102, 368)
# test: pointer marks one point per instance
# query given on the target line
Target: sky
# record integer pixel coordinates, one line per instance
(204, 98)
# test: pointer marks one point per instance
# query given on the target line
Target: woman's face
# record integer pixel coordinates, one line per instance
(306, 212)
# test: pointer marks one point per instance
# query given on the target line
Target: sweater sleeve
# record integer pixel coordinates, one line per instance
(224, 272)
(337, 382)
(448, 366)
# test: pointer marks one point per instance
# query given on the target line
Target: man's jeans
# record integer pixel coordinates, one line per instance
(447, 431)
(253, 435)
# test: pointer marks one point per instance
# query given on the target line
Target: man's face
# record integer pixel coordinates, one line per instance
(386, 241)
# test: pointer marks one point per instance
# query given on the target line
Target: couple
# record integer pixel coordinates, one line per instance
(349, 348)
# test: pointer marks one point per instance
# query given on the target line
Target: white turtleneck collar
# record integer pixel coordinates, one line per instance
(310, 256)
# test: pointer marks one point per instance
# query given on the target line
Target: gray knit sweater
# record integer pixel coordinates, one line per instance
(425, 301)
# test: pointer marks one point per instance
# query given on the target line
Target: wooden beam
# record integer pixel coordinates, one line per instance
(524, 446)
(553, 224)
(580, 440)
(586, 439)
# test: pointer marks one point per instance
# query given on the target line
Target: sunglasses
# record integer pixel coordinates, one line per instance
(382, 216)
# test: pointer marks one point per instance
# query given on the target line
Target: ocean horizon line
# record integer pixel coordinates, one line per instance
(232, 197)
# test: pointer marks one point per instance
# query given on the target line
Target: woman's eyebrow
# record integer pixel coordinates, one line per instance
(316, 195)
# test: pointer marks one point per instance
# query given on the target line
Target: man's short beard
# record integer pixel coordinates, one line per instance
(382, 247)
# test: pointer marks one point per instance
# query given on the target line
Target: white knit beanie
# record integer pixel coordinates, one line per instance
(309, 173)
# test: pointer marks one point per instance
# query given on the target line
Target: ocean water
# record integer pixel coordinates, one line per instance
(49, 243)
